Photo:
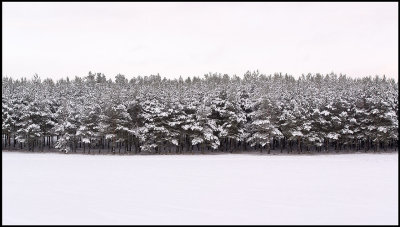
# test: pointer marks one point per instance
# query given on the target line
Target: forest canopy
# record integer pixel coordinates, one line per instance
(214, 113)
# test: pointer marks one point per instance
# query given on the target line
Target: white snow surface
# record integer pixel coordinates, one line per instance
(200, 189)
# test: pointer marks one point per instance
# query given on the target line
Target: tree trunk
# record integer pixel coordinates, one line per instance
(298, 145)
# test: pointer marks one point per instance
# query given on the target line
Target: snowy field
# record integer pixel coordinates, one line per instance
(200, 189)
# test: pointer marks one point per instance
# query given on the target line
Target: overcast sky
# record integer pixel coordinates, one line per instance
(190, 39)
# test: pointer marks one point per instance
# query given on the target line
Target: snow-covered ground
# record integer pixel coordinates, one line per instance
(200, 189)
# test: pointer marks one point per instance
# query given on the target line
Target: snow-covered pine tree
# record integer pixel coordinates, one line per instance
(314, 112)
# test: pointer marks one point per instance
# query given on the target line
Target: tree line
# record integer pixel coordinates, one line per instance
(214, 113)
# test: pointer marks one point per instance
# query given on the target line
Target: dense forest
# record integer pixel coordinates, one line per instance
(214, 113)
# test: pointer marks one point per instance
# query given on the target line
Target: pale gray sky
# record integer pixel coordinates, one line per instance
(190, 39)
